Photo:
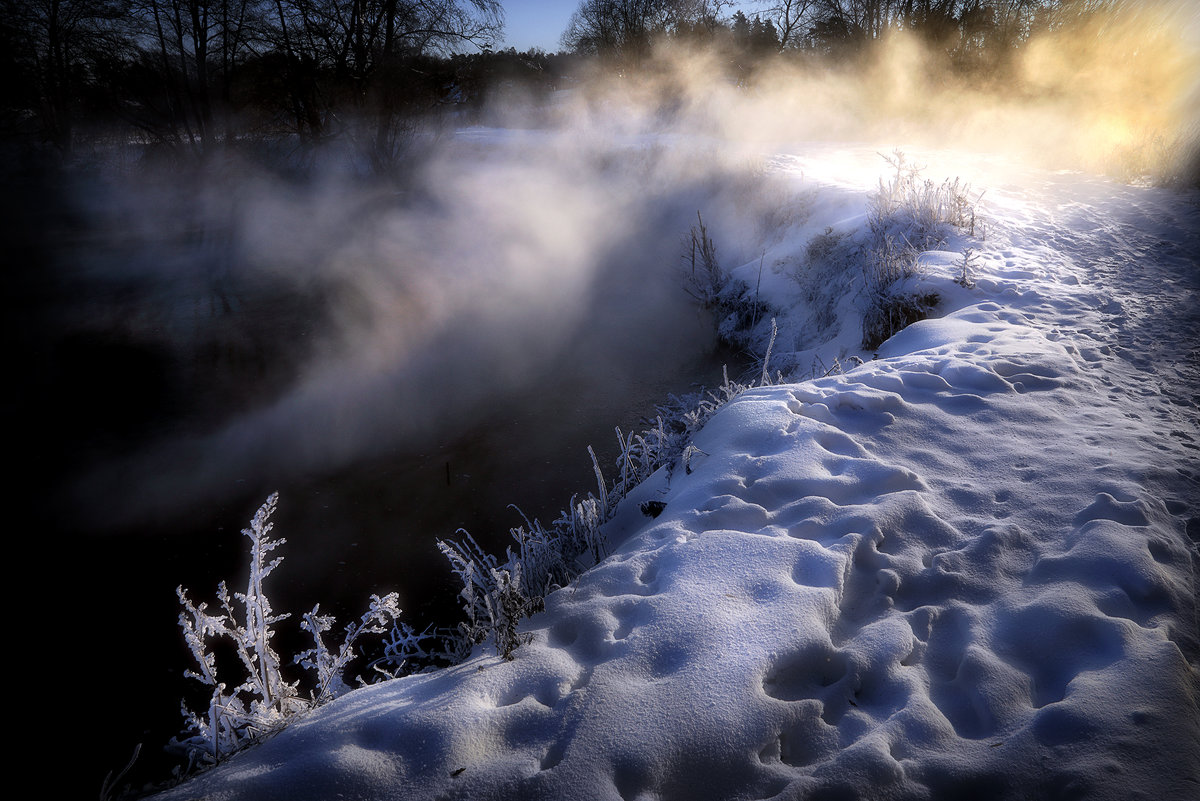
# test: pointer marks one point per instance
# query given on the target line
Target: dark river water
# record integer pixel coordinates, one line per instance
(165, 391)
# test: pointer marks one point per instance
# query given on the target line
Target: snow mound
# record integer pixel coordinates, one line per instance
(957, 570)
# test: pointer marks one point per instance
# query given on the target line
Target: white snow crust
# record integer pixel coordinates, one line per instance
(962, 569)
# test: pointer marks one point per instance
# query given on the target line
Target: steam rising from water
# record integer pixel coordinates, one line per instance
(1116, 91)
(515, 259)
(507, 253)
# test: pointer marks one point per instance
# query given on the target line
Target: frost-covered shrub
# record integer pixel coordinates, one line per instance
(263, 700)
(740, 312)
(705, 278)
(497, 596)
(406, 651)
(330, 666)
(821, 248)
(894, 313)
(1153, 159)
(916, 208)
(907, 215)
(824, 274)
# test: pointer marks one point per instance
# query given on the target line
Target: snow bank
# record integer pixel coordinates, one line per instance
(961, 569)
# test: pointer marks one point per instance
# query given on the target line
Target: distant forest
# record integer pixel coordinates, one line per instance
(190, 77)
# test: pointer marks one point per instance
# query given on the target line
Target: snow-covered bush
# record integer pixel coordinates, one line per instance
(889, 261)
(918, 209)
(497, 596)
(740, 312)
(406, 651)
(705, 279)
(908, 215)
(330, 667)
(489, 593)
(263, 700)
(1156, 160)
(825, 273)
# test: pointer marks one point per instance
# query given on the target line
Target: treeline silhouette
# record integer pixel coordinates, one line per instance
(194, 75)
(973, 32)
(188, 77)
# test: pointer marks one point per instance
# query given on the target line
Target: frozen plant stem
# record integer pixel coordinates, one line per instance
(966, 265)
(758, 289)
(258, 609)
(263, 701)
(230, 723)
(766, 377)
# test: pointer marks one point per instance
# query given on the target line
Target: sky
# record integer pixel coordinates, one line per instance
(536, 23)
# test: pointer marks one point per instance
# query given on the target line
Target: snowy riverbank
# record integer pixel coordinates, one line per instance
(964, 568)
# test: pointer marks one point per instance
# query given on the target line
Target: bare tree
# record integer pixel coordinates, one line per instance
(624, 30)
(354, 37)
(54, 43)
(362, 51)
(792, 19)
(196, 46)
(615, 28)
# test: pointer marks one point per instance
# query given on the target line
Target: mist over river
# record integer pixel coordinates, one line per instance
(397, 362)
